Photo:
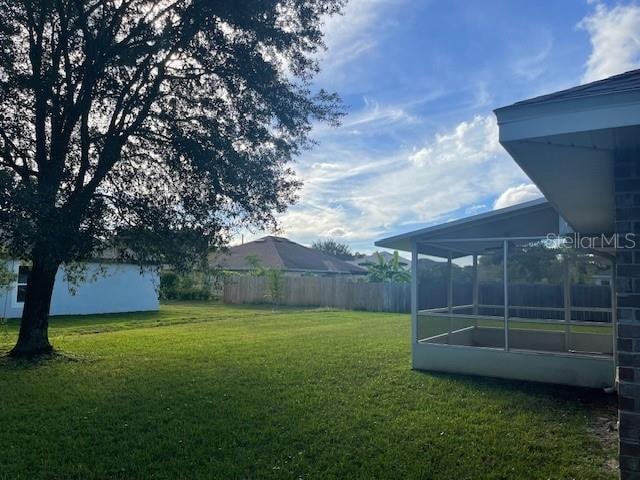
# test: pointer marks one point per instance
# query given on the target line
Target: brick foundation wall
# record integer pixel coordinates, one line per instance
(627, 190)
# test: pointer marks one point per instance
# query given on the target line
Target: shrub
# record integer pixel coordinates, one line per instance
(186, 286)
(275, 286)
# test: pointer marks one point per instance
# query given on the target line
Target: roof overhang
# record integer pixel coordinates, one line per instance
(481, 233)
(567, 147)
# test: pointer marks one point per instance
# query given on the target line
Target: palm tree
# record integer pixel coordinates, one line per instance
(388, 271)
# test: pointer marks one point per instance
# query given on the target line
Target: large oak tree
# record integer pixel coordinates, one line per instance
(158, 125)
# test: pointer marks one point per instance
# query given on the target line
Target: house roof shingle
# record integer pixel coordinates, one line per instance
(625, 82)
(279, 252)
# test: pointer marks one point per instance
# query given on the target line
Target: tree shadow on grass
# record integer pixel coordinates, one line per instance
(55, 357)
(588, 397)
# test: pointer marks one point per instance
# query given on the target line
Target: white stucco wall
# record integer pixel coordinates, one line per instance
(116, 288)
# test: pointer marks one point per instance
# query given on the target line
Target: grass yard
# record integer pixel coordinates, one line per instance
(432, 325)
(207, 391)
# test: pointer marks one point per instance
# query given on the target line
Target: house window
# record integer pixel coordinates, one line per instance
(23, 276)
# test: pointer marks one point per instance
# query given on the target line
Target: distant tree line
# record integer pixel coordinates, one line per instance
(336, 249)
(535, 263)
(380, 270)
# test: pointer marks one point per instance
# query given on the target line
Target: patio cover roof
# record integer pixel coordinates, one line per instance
(480, 233)
(566, 142)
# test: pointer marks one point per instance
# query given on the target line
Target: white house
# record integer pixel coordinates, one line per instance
(108, 287)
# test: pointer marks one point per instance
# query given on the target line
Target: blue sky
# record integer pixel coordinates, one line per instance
(420, 80)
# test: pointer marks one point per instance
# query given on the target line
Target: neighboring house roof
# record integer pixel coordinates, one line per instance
(373, 258)
(279, 252)
(625, 82)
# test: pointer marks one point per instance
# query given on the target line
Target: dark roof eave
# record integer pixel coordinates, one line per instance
(481, 217)
(581, 92)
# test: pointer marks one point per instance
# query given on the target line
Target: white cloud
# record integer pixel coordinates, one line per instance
(532, 65)
(475, 209)
(374, 113)
(518, 194)
(459, 167)
(473, 140)
(351, 35)
(358, 192)
(615, 40)
(373, 117)
(373, 175)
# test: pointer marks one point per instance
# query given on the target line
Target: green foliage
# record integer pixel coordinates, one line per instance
(155, 126)
(388, 271)
(274, 277)
(194, 285)
(334, 248)
(7, 277)
(283, 387)
(275, 286)
(431, 272)
(534, 263)
(255, 265)
(182, 127)
(540, 263)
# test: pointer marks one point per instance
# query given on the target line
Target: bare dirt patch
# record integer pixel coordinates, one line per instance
(604, 428)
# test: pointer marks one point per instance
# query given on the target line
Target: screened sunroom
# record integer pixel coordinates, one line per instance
(512, 293)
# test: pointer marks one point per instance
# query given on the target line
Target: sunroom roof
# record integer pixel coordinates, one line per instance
(480, 233)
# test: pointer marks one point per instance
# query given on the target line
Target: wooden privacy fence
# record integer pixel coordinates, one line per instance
(434, 294)
(322, 292)
(396, 297)
(547, 296)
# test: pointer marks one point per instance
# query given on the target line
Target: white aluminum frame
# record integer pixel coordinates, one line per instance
(601, 366)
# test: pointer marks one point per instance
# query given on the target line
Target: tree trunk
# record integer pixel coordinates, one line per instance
(33, 338)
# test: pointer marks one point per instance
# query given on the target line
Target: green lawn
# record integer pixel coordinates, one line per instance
(208, 391)
(436, 325)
